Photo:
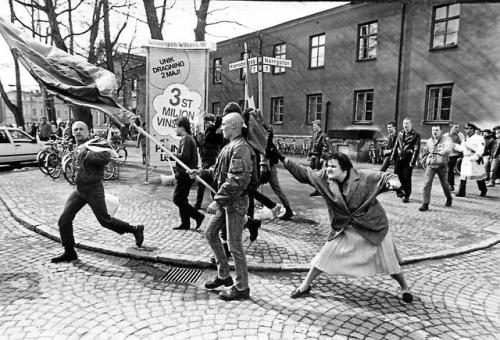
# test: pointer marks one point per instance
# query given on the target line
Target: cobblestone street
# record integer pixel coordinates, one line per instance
(134, 296)
(107, 297)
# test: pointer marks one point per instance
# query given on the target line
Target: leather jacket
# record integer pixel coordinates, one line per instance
(89, 167)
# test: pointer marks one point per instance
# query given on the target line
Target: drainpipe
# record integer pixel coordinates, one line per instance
(400, 63)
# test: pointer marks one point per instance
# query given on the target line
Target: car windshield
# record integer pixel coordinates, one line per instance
(20, 136)
(3, 137)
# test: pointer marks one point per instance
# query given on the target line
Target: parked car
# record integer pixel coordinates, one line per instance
(16, 146)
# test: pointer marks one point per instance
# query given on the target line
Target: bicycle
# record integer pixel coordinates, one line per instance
(54, 161)
(122, 153)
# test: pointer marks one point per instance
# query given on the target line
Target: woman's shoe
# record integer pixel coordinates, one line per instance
(298, 294)
(407, 296)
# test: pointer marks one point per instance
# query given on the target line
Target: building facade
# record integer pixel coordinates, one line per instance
(358, 66)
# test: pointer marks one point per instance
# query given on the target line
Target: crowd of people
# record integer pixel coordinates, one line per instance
(238, 154)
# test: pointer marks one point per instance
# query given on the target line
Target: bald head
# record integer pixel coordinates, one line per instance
(232, 123)
(80, 131)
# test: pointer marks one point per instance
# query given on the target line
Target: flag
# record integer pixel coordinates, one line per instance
(249, 98)
(70, 77)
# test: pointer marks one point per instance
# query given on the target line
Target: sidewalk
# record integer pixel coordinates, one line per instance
(37, 201)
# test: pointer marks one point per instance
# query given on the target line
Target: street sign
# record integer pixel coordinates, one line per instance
(237, 64)
(277, 62)
(253, 69)
(267, 68)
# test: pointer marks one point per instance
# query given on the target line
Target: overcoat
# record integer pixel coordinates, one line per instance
(360, 208)
(473, 149)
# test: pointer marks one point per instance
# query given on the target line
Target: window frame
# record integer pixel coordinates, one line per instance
(358, 57)
(282, 113)
(433, 24)
(439, 86)
(311, 49)
(217, 71)
(309, 120)
(355, 105)
(213, 108)
(279, 69)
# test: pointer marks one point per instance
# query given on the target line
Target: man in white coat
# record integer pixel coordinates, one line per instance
(472, 168)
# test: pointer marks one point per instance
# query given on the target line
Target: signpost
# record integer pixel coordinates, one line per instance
(260, 65)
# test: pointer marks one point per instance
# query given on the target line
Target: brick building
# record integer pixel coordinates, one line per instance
(358, 66)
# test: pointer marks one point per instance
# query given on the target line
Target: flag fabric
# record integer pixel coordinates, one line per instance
(68, 76)
(249, 98)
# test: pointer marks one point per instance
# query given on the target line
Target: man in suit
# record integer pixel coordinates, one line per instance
(407, 149)
(316, 149)
(495, 157)
(391, 141)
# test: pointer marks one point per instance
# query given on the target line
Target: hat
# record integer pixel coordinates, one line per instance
(209, 117)
(317, 122)
(472, 126)
(487, 130)
(231, 107)
(184, 122)
(496, 128)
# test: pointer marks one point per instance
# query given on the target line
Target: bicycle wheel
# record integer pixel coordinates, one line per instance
(69, 170)
(122, 155)
(53, 165)
(40, 159)
(109, 171)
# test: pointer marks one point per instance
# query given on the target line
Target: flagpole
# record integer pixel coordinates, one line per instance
(170, 154)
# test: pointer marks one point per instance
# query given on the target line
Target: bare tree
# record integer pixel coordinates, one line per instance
(155, 25)
(201, 22)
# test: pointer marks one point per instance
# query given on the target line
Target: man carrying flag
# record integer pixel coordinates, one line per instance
(91, 158)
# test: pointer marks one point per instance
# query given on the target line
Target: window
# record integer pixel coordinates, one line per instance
(277, 110)
(279, 53)
(34, 112)
(216, 108)
(19, 136)
(438, 103)
(317, 51)
(217, 75)
(445, 26)
(367, 41)
(314, 107)
(363, 106)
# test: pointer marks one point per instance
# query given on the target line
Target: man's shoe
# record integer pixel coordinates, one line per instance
(297, 293)
(287, 215)
(449, 201)
(182, 227)
(253, 227)
(400, 193)
(199, 221)
(235, 294)
(139, 234)
(276, 210)
(67, 256)
(406, 296)
(424, 207)
(217, 282)
(483, 193)
(406, 199)
(315, 193)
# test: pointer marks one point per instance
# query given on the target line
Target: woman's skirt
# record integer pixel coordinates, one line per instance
(350, 254)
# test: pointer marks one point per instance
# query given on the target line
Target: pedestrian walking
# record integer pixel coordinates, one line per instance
(189, 156)
(232, 174)
(142, 143)
(269, 166)
(472, 163)
(91, 156)
(407, 149)
(44, 130)
(360, 243)
(457, 137)
(316, 149)
(391, 141)
(489, 138)
(209, 145)
(495, 157)
(437, 151)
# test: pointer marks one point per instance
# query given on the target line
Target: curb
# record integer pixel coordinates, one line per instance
(184, 260)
